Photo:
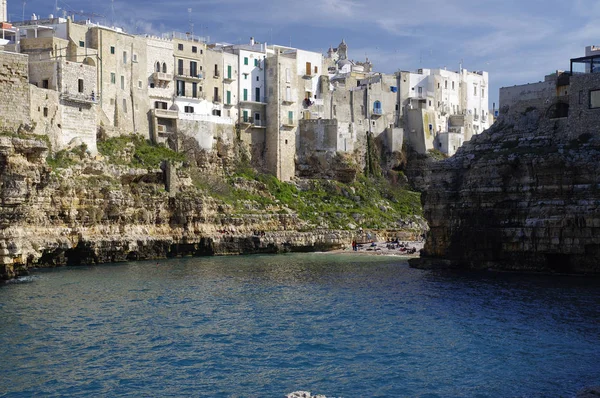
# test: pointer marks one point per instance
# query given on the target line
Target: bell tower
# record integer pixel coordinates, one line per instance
(3, 11)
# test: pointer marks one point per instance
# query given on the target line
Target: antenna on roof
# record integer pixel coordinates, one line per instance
(24, 10)
(112, 10)
(190, 22)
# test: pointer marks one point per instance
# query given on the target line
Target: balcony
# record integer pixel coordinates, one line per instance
(188, 74)
(228, 79)
(217, 74)
(377, 112)
(289, 123)
(309, 75)
(198, 96)
(260, 101)
(287, 101)
(165, 113)
(80, 98)
(160, 77)
(476, 117)
(217, 99)
(259, 124)
(228, 104)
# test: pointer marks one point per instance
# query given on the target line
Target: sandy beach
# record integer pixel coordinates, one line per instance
(385, 249)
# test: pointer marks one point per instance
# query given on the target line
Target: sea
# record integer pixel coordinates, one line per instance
(341, 325)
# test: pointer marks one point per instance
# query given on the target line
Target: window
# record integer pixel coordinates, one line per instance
(245, 60)
(445, 83)
(439, 85)
(228, 97)
(112, 49)
(157, 67)
(245, 116)
(420, 90)
(124, 105)
(245, 76)
(594, 98)
(475, 90)
(151, 85)
(256, 117)
(483, 92)
(288, 93)
(180, 67)
(140, 84)
(113, 78)
(134, 58)
(81, 43)
(255, 62)
(188, 109)
(216, 112)
(122, 82)
(216, 95)
(257, 78)
(160, 105)
(193, 68)
(80, 85)
(216, 71)
(316, 70)
(45, 83)
(180, 47)
(194, 49)
(288, 75)
(45, 112)
(124, 57)
(291, 117)
(377, 108)
(257, 94)
(245, 96)
(164, 68)
(452, 85)
(181, 88)
(195, 90)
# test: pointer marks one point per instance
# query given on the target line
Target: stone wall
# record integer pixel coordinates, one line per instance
(14, 91)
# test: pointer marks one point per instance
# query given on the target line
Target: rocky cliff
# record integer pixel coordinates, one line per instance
(69, 208)
(522, 196)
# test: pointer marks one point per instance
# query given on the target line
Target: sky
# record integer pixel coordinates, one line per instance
(516, 41)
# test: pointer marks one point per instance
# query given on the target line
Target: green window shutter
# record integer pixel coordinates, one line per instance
(245, 94)
(228, 97)
(256, 62)
(291, 115)
(245, 116)
(245, 60)
(229, 71)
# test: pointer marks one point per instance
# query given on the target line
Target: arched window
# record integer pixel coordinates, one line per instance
(158, 67)
(164, 67)
(377, 108)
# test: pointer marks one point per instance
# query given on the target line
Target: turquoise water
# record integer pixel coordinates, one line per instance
(264, 326)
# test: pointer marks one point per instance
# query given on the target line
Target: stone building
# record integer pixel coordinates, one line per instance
(441, 109)
(14, 91)
(568, 98)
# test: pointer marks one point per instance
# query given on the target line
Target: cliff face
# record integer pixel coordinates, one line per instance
(95, 211)
(522, 196)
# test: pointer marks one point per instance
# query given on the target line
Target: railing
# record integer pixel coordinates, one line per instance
(260, 100)
(289, 122)
(200, 95)
(160, 76)
(217, 74)
(165, 113)
(377, 111)
(217, 98)
(258, 123)
(194, 74)
(79, 97)
(228, 78)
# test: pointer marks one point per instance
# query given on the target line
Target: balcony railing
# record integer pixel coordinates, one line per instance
(260, 100)
(165, 113)
(190, 74)
(217, 74)
(377, 111)
(217, 99)
(79, 97)
(162, 77)
(228, 78)
(289, 122)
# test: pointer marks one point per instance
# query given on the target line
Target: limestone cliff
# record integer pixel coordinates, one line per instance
(76, 209)
(522, 196)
